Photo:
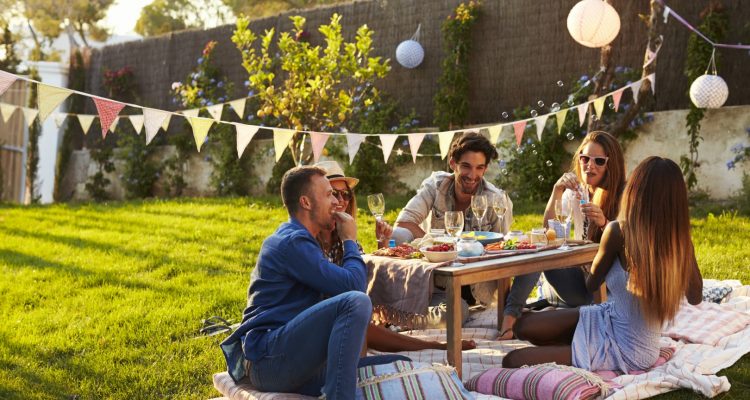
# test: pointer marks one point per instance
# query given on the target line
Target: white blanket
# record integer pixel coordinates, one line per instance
(693, 366)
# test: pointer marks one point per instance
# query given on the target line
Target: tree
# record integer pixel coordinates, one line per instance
(305, 87)
(264, 8)
(164, 16)
(50, 18)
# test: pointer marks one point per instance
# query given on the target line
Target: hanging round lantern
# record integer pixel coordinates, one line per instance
(593, 23)
(709, 91)
(410, 53)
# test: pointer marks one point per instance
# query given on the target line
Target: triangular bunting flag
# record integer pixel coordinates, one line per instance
(636, 87)
(239, 107)
(445, 139)
(60, 119)
(49, 98)
(113, 125)
(415, 140)
(245, 134)
(152, 120)
(582, 109)
(108, 111)
(616, 96)
(495, 131)
(281, 138)
(30, 114)
(191, 113)
(561, 119)
(387, 141)
(353, 140)
(7, 110)
(216, 111)
(165, 123)
(6, 80)
(85, 121)
(652, 78)
(318, 141)
(137, 122)
(518, 128)
(200, 130)
(540, 123)
(599, 106)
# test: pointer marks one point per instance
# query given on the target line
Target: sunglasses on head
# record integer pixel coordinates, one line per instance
(345, 195)
(599, 161)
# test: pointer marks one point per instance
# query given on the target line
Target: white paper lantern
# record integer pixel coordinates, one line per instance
(593, 23)
(409, 53)
(709, 91)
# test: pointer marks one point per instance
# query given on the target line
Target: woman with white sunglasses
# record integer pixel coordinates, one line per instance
(597, 173)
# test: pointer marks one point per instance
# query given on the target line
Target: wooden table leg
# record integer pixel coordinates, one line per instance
(453, 322)
(503, 285)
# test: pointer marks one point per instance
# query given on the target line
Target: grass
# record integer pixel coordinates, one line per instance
(105, 301)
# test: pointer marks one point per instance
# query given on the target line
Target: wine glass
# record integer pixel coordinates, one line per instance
(497, 202)
(562, 214)
(376, 203)
(454, 225)
(479, 208)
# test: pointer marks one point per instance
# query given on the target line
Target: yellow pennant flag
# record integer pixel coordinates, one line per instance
(7, 110)
(561, 119)
(599, 106)
(49, 98)
(85, 121)
(200, 129)
(29, 114)
(495, 133)
(239, 107)
(445, 139)
(281, 138)
(165, 123)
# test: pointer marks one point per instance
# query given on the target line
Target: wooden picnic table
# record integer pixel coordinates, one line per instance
(500, 270)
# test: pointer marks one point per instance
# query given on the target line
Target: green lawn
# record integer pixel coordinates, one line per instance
(105, 301)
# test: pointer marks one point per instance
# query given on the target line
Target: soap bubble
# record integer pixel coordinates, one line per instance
(504, 171)
(535, 152)
(541, 178)
(560, 83)
(533, 146)
(505, 115)
(555, 107)
(534, 113)
(519, 150)
(570, 136)
(540, 103)
(611, 106)
(548, 163)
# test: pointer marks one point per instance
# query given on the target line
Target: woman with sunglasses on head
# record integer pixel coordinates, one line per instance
(598, 173)
(378, 337)
(648, 261)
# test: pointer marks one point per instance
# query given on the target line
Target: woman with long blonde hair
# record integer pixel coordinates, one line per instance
(647, 259)
(597, 172)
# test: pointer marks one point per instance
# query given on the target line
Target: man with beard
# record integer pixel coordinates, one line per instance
(469, 158)
(306, 318)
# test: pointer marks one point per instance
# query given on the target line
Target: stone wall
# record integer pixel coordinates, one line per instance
(665, 136)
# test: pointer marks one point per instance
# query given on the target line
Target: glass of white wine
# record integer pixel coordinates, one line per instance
(497, 201)
(454, 225)
(562, 214)
(479, 208)
(376, 203)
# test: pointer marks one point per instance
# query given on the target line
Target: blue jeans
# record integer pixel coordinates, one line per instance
(569, 285)
(319, 348)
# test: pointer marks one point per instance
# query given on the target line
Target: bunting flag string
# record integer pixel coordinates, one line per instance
(153, 119)
(668, 11)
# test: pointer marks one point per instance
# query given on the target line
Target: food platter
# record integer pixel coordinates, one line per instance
(511, 246)
(483, 237)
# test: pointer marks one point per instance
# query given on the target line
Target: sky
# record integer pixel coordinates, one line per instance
(123, 14)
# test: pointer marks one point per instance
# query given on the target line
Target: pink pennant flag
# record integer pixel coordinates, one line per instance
(353, 140)
(636, 88)
(6, 80)
(518, 128)
(616, 96)
(387, 141)
(108, 111)
(582, 109)
(415, 140)
(318, 141)
(652, 78)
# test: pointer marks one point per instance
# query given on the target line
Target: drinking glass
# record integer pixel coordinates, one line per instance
(479, 208)
(454, 225)
(376, 203)
(497, 202)
(562, 214)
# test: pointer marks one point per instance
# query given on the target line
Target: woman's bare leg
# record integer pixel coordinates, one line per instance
(547, 328)
(382, 339)
(538, 355)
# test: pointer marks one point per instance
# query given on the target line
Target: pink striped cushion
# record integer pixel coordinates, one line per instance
(539, 382)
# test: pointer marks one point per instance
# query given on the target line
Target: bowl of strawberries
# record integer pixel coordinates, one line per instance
(440, 252)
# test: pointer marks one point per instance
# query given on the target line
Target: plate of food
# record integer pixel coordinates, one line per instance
(403, 250)
(511, 246)
(483, 237)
